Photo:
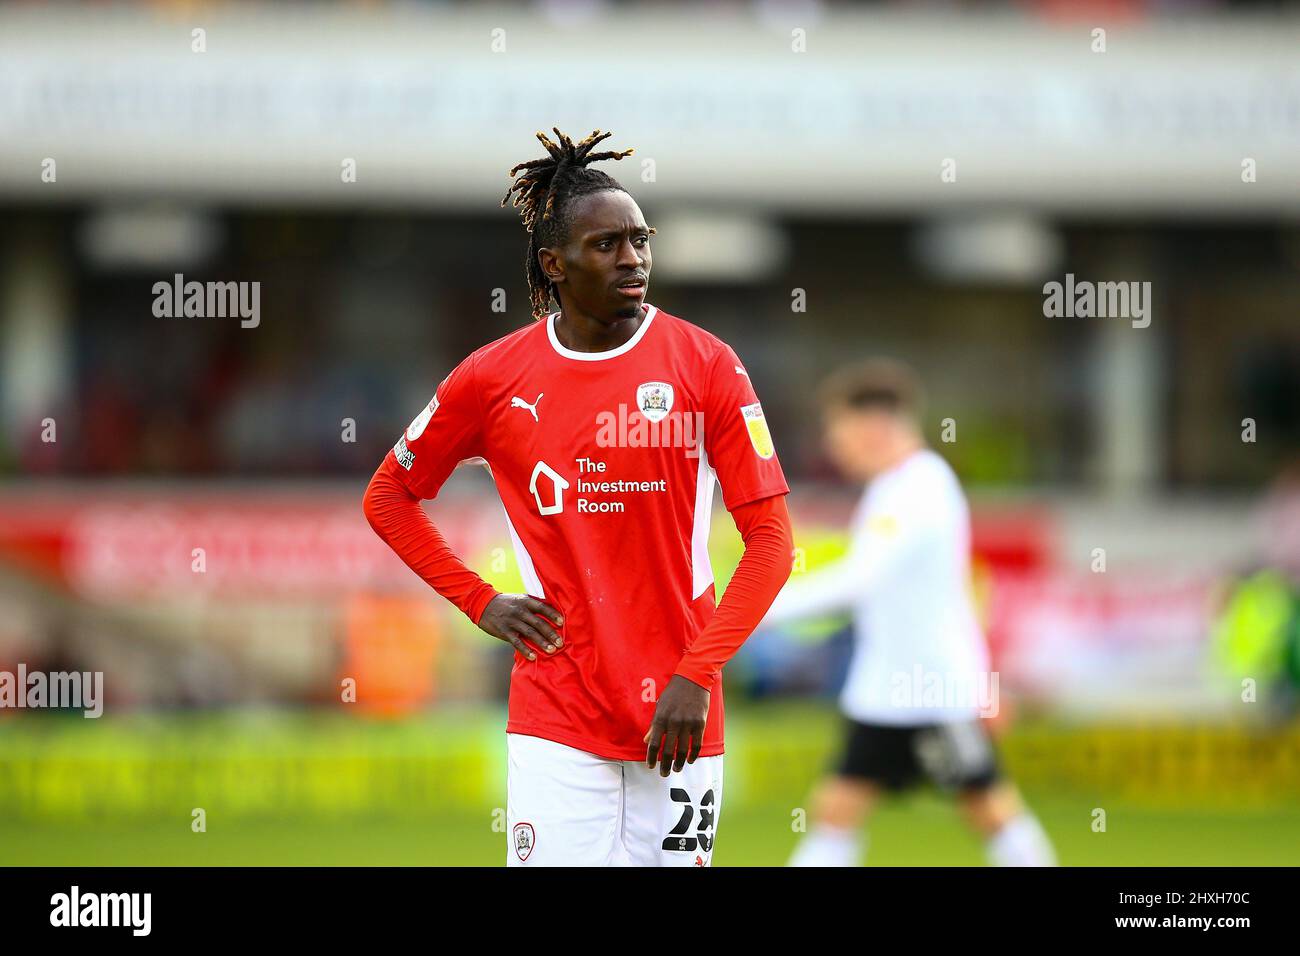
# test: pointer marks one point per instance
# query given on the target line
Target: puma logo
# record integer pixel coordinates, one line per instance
(517, 402)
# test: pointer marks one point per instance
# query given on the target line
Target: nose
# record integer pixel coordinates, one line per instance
(630, 256)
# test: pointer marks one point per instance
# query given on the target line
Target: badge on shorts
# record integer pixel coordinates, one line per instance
(655, 400)
(759, 436)
(525, 840)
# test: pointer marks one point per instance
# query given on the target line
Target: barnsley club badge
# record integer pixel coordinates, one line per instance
(759, 436)
(655, 399)
(525, 839)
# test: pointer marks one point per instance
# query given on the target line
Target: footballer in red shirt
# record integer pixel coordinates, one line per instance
(605, 425)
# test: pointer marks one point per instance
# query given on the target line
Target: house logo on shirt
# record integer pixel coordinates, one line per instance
(655, 400)
(558, 484)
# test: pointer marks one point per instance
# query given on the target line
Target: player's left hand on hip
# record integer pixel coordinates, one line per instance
(677, 732)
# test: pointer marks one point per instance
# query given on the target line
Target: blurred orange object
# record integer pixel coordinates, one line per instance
(391, 647)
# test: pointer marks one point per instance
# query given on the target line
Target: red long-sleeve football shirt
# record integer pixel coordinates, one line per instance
(605, 463)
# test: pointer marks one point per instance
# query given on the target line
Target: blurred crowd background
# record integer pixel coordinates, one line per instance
(180, 497)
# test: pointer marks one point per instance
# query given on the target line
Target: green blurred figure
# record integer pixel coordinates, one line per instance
(1257, 634)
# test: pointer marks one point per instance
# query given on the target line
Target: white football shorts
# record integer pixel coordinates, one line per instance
(566, 807)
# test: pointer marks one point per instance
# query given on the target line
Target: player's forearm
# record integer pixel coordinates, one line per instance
(397, 517)
(763, 568)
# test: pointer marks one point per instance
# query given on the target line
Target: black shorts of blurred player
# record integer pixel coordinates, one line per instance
(958, 758)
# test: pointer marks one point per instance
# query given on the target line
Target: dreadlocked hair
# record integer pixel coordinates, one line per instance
(546, 189)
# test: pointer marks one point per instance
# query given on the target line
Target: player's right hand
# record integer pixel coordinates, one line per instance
(518, 620)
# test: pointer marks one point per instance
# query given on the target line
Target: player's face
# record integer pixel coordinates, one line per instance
(860, 443)
(608, 247)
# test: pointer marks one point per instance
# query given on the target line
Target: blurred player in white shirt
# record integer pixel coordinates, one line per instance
(918, 685)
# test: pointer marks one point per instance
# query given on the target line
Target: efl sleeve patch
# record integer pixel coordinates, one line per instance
(421, 421)
(447, 430)
(759, 436)
(736, 436)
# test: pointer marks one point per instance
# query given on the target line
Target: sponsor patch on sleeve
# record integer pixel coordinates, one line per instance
(417, 426)
(756, 424)
(405, 457)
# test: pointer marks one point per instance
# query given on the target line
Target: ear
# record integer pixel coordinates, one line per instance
(552, 264)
